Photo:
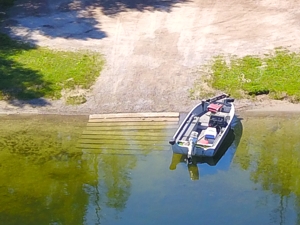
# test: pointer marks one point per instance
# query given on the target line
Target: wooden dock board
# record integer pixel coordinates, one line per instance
(136, 119)
(128, 128)
(121, 137)
(128, 133)
(135, 115)
(139, 147)
(115, 152)
(130, 123)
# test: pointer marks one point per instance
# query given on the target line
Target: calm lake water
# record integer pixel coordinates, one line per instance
(62, 170)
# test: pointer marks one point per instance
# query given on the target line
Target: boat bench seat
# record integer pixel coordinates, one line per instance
(202, 126)
(214, 107)
(226, 108)
(191, 126)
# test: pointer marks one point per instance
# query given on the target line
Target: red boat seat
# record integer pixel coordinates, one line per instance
(214, 107)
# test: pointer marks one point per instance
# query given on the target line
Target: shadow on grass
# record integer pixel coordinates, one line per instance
(20, 85)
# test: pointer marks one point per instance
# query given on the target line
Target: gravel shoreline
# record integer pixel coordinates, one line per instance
(153, 56)
(245, 107)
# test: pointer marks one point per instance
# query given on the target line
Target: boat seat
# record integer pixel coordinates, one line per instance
(201, 126)
(189, 127)
(214, 107)
(217, 121)
(210, 133)
(226, 109)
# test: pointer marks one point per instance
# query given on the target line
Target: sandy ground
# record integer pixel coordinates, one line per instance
(153, 49)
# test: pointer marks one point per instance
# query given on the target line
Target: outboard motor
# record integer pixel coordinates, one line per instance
(192, 141)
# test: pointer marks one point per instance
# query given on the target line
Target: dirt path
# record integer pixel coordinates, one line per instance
(153, 50)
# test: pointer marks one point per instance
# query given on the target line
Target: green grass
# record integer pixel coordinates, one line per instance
(274, 74)
(28, 72)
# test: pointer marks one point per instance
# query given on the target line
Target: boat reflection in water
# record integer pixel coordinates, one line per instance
(226, 152)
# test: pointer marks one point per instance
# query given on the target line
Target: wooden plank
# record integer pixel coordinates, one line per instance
(134, 115)
(132, 128)
(124, 142)
(132, 123)
(116, 152)
(130, 133)
(116, 120)
(135, 123)
(122, 137)
(149, 148)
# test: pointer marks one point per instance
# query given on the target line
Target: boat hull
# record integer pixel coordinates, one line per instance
(200, 151)
(204, 129)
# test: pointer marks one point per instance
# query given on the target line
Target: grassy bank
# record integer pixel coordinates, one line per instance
(28, 72)
(274, 74)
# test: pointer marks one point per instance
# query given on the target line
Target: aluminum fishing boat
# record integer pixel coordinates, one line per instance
(204, 128)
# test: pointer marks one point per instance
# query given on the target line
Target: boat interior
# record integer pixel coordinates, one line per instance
(208, 125)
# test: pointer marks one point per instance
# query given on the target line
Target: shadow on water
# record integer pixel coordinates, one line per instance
(17, 81)
(269, 151)
(227, 150)
(68, 172)
(42, 174)
(55, 182)
(59, 170)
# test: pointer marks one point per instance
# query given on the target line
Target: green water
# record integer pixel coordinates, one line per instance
(57, 170)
